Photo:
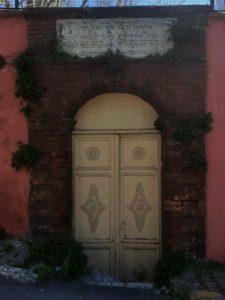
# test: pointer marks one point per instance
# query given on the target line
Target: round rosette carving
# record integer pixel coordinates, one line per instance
(93, 153)
(138, 153)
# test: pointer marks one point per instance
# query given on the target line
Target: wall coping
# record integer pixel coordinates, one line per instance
(217, 15)
(11, 13)
(116, 12)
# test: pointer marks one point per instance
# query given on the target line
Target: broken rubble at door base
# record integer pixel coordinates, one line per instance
(17, 274)
(94, 276)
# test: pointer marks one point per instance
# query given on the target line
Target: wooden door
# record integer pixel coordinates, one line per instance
(117, 202)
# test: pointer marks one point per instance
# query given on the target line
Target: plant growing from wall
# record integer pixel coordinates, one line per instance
(184, 133)
(2, 61)
(26, 84)
(26, 110)
(181, 34)
(198, 161)
(205, 123)
(114, 60)
(26, 156)
(159, 124)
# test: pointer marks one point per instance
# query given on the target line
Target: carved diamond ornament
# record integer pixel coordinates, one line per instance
(93, 208)
(139, 207)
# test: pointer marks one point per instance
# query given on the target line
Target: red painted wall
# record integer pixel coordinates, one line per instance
(215, 217)
(14, 186)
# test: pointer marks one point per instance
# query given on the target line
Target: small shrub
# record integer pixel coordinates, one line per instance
(25, 157)
(8, 247)
(62, 259)
(3, 234)
(207, 266)
(45, 273)
(168, 267)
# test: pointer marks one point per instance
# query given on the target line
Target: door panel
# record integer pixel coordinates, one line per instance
(140, 207)
(139, 262)
(94, 207)
(102, 258)
(117, 202)
(140, 152)
(93, 152)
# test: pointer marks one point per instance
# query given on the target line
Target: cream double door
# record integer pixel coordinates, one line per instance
(117, 202)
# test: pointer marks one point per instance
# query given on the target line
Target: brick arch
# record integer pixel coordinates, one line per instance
(151, 91)
(50, 128)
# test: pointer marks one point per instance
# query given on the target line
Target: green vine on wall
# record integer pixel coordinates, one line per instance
(198, 161)
(184, 133)
(205, 122)
(26, 156)
(182, 34)
(26, 84)
(115, 61)
(159, 124)
(2, 61)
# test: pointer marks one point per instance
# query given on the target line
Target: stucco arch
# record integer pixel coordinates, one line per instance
(111, 111)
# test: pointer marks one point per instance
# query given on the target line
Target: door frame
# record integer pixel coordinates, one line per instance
(117, 217)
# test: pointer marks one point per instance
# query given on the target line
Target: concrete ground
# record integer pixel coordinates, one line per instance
(72, 291)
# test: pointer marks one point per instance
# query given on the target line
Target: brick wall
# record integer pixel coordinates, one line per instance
(176, 91)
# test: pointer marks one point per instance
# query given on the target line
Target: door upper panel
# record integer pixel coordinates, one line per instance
(140, 152)
(93, 152)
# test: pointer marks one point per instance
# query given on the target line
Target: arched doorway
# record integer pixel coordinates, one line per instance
(116, 167)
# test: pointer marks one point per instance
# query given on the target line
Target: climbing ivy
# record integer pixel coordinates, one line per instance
(205, 122)
(159, 124)
(115, 61)
(26, 84)
(198, 161)
(185, 132)
(26, 156)
(2, 61)
(182, 34)
(26, 110)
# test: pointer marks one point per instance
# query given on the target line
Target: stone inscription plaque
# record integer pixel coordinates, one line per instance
(135, 38)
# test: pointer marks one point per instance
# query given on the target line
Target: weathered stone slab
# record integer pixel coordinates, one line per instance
(135, 38)
(206, 295)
